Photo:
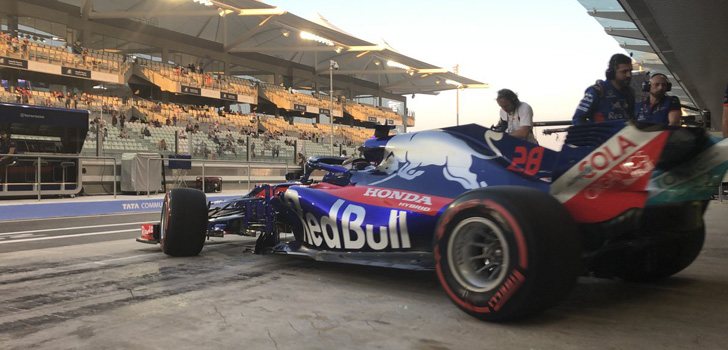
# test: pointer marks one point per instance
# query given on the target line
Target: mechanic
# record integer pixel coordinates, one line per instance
(516, 117)
(7, 146)
(725, 112)
(612, 99)
(302, 163)
(659, 107)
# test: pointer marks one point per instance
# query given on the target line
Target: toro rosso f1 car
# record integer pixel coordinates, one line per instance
(507, 225)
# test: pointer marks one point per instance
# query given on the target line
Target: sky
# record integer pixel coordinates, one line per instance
(547, 51)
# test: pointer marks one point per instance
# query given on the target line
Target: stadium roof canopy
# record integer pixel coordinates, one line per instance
(253, 39)
(683, 39)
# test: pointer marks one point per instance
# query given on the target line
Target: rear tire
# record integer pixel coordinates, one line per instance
(183, 225)
(507, 252)
(684, 223)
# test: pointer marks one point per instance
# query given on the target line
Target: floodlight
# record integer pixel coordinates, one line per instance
(261, 12)
(313, 37)
(453, 82)
(396, 64)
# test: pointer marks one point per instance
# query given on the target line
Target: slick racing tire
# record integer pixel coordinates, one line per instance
(183, 224)
(684, 227)
(507, 252)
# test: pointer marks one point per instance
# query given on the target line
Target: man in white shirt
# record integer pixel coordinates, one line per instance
(517, 115)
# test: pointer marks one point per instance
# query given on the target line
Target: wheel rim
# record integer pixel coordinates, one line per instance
(478, 254)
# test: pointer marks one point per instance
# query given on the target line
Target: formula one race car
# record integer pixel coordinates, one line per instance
(507, 225)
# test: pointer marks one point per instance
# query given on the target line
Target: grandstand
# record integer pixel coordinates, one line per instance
(257, 96)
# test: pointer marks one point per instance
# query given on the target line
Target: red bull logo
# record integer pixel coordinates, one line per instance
(344, 227)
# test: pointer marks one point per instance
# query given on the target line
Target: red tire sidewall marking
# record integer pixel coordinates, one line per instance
(515, 229)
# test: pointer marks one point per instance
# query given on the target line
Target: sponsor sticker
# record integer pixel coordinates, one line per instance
(392, 198)
(344, 227)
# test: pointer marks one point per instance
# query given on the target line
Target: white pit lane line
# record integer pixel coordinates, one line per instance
(72, 228)
(66, 236)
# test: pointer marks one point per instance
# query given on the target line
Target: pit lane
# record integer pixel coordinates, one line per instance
(61, 289)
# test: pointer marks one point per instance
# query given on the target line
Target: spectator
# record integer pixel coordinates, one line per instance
(162, 145)
(659, 107)
(608, 100)
(14, 43)
(24, 47)
(516, 116)
(114, 120)
(84, 56)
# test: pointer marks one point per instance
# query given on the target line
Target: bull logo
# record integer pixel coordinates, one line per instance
(407, 155)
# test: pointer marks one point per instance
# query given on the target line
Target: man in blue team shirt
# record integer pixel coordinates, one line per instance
(659, 107)
(612, 99)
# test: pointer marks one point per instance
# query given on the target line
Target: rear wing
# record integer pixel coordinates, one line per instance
(604, 169)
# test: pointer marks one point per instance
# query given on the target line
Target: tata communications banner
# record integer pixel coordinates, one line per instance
(60, 70)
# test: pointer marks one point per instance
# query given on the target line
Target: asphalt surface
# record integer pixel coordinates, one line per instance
(58, 232)
(84, 283)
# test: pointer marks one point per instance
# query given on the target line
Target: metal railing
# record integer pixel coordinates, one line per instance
(38, 157)
(203, 161)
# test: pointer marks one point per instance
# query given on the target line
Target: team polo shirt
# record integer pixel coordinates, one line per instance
(608, 104)
(658, 113)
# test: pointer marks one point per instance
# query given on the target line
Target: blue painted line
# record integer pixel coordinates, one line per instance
(70, 209)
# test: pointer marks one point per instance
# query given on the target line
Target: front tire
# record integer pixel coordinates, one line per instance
(183, 225)
(507, 252)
